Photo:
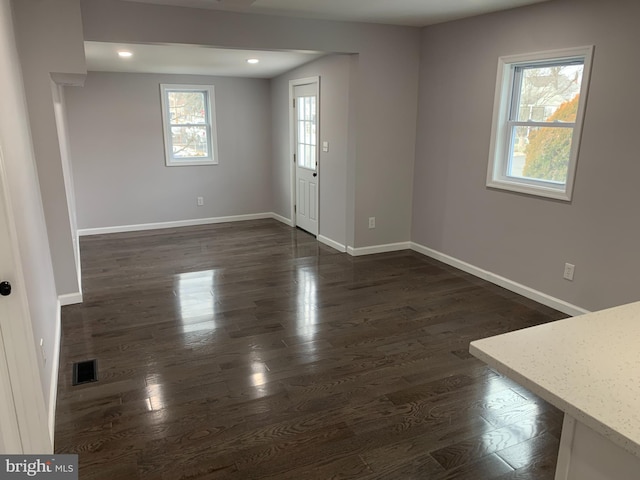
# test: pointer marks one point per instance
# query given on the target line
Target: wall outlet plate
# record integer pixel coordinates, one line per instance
(569, 270)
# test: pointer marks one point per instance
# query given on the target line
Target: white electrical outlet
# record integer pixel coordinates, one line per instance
(372, 222)
(569, 269)
(200, 201)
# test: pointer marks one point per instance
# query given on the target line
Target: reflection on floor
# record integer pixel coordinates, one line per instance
(248, 351)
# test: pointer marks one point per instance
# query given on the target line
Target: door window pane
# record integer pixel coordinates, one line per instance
(307, 136)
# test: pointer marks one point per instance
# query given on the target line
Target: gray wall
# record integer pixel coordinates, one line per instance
(524, 238)
(117, 149)
(386, 87)
(19, 167)
(334, 72)
(49, 36)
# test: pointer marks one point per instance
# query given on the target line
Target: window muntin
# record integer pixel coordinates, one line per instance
(189, 127)
(537, 122)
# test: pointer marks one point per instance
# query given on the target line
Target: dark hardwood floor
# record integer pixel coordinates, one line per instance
(250, 351)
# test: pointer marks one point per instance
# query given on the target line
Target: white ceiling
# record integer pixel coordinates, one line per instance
(398, 12)
(194, 60)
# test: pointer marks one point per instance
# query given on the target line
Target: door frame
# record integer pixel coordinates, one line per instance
(292, 145)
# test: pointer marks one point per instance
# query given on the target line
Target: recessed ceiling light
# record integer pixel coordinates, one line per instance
(125, 53)
(253, 60)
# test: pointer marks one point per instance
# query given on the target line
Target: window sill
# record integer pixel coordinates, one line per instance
(528, 189)
(190, 163)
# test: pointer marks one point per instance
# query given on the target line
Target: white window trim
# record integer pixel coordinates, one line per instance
(499, 147)
(170, 160)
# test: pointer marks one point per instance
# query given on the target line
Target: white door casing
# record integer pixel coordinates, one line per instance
(23, 422)
(9, 430)
(305, 133)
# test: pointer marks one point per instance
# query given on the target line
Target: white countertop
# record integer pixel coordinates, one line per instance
(587, 366)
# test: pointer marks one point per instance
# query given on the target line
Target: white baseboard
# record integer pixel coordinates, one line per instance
(70, 298)
(496, 279)
(516, 287)
(53, 390)
(332, 243)
(281, 219)
(389, 247)
(179, 223)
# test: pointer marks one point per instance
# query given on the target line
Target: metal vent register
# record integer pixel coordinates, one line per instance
(85, 372)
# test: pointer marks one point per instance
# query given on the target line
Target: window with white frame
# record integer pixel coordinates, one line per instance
(188, 117)
(537, 121)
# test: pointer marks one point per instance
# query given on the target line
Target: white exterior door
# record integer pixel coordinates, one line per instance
(306, 114)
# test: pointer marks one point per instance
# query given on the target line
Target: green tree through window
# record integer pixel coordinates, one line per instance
(548, 150)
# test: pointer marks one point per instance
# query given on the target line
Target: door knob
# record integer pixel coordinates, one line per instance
(5, 289)
(315, 174)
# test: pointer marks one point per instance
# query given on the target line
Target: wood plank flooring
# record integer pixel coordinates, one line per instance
(250, 351)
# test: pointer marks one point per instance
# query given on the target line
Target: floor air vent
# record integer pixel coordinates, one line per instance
(85, 372)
